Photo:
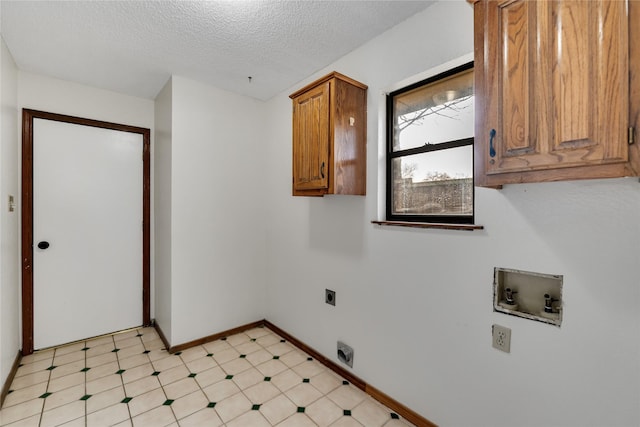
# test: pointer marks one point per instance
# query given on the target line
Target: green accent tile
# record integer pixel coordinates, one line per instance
(44, 396)
(177, 354)
(306, 380)
(86, 348)
(300, 409)
(85, 397)
(395, 416)
(228, 377)
(210, 355)
(155, 374)
(51, 368)
(347, 413)
(267, 378)
(126, 400)
(168, 402)
(253, 340)
(255, 407)
(84, 369)
(345, 382)
(191, 375)
(211, 405)
(146, 352)
(115, 350)
(276, 357)
(120, 372)
(242, 356)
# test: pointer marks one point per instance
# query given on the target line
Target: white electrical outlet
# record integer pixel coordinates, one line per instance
(501, 338)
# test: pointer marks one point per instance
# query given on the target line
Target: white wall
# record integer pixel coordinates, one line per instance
(162, 199)
(218, 208)
(63, 97)
(9, 257)
(417, 304)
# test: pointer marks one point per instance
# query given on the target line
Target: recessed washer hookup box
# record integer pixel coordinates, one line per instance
(534, 296)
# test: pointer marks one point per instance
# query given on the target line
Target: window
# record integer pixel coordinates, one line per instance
(430, 149)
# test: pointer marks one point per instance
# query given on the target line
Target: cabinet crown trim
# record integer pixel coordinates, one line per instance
(333, 75)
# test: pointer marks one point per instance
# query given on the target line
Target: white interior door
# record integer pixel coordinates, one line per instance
(87, 205)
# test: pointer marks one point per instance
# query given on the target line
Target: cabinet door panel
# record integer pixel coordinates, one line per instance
(516, 66)
(511, 81)
(311, 140)
(560, 90)
(571, 76)
(611, 69)
(590, 75)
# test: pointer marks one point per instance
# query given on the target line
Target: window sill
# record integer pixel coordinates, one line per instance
(466, 227)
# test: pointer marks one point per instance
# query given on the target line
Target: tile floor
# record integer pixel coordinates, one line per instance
(251, 379)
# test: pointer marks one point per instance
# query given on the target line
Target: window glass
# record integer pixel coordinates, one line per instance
(435, 113)
(430, 149)
(438, 182)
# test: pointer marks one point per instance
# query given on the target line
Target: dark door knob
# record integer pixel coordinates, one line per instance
(43, 245)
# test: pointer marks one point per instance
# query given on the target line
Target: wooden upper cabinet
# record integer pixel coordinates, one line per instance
(311, 134)
(552, 90)
(329, 137)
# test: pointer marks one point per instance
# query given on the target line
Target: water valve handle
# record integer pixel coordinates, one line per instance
(548, 303)
(509, 296)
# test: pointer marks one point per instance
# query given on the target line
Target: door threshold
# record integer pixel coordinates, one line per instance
(90, 338)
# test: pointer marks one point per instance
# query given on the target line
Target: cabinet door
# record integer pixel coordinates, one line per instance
(311, 139)
(556, 82)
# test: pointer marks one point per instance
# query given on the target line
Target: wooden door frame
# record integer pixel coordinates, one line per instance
(27, 213)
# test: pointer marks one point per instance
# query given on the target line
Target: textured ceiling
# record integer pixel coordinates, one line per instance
(133, 47)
